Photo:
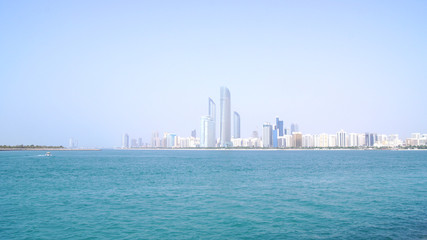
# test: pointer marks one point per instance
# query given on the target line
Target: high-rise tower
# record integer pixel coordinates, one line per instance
(294, 128)
(267, 135)
(279, 126)
(225, 121)
(342, 139)
(236, 125)
(212, 114)
(212, 110)
(125, 141)
(207, 132)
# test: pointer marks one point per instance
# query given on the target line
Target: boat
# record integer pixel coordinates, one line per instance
(48, 154)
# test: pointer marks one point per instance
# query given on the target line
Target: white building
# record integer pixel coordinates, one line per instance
(267, 135)
(237, 142)
(254, 142)
(332, 140)
(281, 141)
(361, 140)
(341, 139)
(393, 140)
(353, 140)
(207, 132)
(381, 141)
(307, 141)
(288, 141)
(417, 139)
(225, 120)
(321, 140)
(246, 142)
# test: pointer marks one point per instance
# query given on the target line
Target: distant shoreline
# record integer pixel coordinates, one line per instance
(49, 149)
(202, 149)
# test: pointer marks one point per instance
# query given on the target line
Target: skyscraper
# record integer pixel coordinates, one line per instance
(279, 126)
(193, 133)
(236, 127)
(155, 140)
(274, 137)
(207, 132)
(294, 128)
(267, 135)
(225, 121)
(212, 114)
(125, 141)
(212, 110)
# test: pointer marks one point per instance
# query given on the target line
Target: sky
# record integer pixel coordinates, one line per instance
(93, 70)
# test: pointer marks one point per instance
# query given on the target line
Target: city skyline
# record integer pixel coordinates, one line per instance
(94, 70)
(273, 135)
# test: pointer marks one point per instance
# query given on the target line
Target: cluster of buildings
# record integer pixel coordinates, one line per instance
(272, 138)
(208, 123)
(273, 135)
(171, 140)
(416, 139)
(133, 143)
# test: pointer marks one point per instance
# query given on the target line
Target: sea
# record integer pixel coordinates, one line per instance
(213, 194)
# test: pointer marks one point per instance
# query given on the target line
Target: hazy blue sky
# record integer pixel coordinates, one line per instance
(93, 70)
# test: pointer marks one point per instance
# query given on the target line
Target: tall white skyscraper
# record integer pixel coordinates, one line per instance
(125, 141)
(212, 110)
(225, 121)
(212, 114)
(207, 132)
(236, 127)
(267, 135)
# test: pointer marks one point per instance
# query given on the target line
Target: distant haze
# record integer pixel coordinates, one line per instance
(93, 70)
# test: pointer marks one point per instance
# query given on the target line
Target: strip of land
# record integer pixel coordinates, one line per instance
(42, 148)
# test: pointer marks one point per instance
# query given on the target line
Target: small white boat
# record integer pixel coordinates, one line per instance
(48, 154)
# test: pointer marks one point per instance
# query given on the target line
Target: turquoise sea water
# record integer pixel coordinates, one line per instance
(117, 194)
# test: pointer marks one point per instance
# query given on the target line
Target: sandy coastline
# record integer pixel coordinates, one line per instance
(48, 149)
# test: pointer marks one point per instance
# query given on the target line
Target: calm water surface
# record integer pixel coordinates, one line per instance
(116, 194)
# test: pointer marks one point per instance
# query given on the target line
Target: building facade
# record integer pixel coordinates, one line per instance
(267, 135)
(279, 126)
(225, 121)
(212, 114)
(236, 125)
(341, 139)
(297, 139)
(125, 141)
(207, 132)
